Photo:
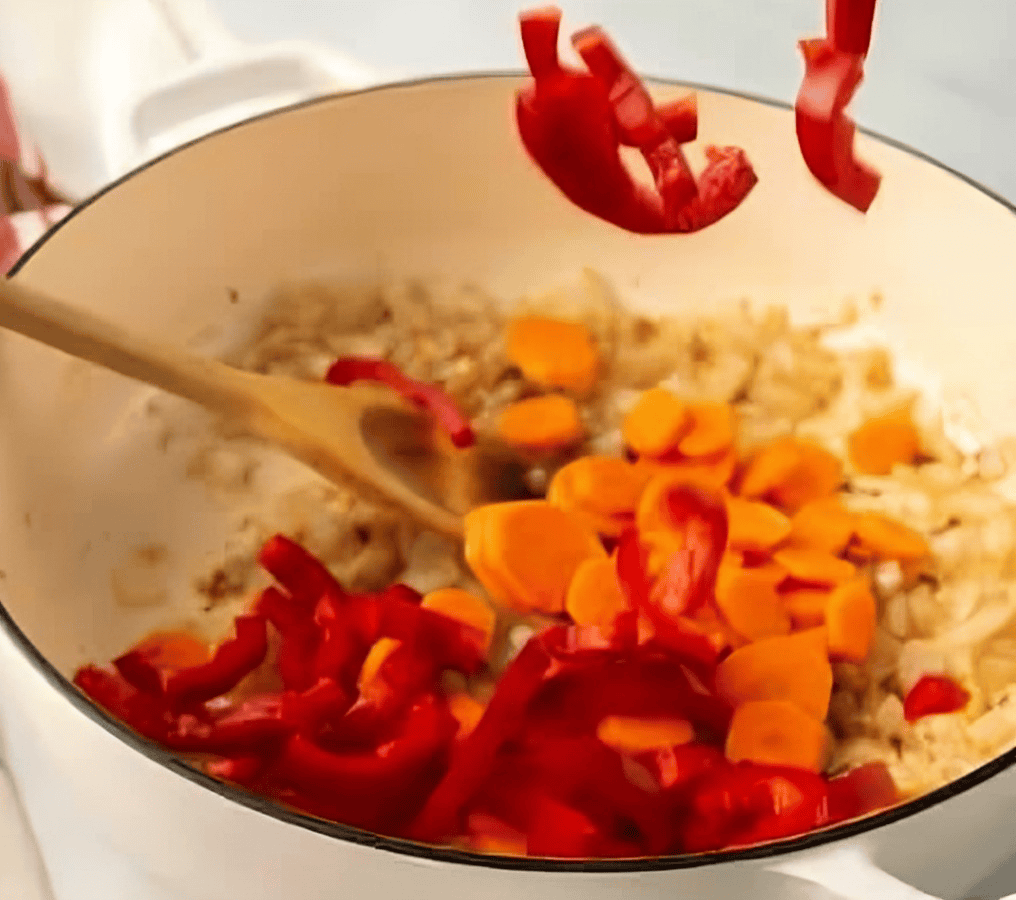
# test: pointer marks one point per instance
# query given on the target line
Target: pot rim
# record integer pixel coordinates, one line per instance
(406, 847)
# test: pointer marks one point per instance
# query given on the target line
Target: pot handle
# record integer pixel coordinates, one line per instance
(225, 81)
(848, 872)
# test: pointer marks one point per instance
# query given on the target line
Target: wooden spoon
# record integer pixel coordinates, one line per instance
(364, 433)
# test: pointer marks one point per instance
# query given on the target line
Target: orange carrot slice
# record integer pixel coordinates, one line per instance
(601, 490)
(814, 566)
(883, 442)
(541, 423)
(778, 668)
(886, 538)
(755, 526)
(656, 424)
(633, 735)
(851, 615)
(464, 607)
(372, 663)
(817, 638)
(476, 551)
(594, 595)
(822, 524)
(713, 471)
(791, 472)
(554, 353)
(749, 602)
(806, 606)
(533, 549)
(173, 650)
(711, 431)
(776, 733)
(467, 711)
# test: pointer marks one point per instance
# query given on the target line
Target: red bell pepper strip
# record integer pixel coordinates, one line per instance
(737, 805)
(593, 779)
(860, 791)
(934, 694)
(560, 831)
(688, 579)
(572, 124)
(428, 730)
(304, 578)
(341, 647)
(675, 632)
(232, 661)
(144, 713)
(849, 24)
(428, 397)
(280, 609)
(636, 119)
(139, 671)
(238, 769)
(474, 757)
(834, 68)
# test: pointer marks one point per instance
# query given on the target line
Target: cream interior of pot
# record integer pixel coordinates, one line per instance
(422, 180)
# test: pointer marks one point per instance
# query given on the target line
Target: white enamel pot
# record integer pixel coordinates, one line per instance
(423, 179)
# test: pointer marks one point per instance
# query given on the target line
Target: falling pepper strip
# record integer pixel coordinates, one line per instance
(834, 67)
(573, 123)
(348, 369)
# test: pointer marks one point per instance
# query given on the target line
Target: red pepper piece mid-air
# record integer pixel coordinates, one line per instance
(573, 124)
(834, 67)
(426, 396)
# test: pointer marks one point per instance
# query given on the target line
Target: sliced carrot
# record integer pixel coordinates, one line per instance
(530, 549)
(817, 638)
(467, 711)
(476, 551)
(778, 668)
(822, 524)
(851, 615)
(608, 486)
(715, 471)
(594, 595)
(171, 650)
(656, 424)
(466, 608)
(776, 733)
(651, 514)
(886, 538)
(750, 604)
(711, 431)
(376, 656)
(627, 734)
(806, 606)
(541, 423)
(603, 491)
(554, 353)
(814, 566)
(755, 526)
(791, 472)
(883, 442)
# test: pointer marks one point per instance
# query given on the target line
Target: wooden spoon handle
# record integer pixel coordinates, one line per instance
(80, 333)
